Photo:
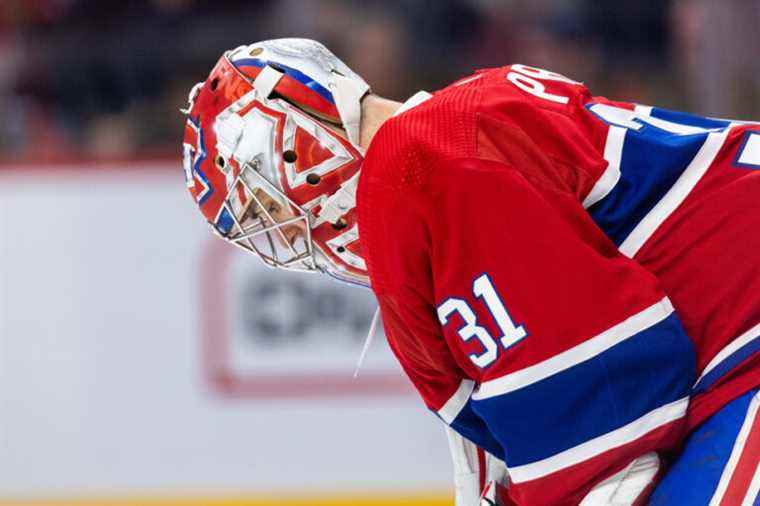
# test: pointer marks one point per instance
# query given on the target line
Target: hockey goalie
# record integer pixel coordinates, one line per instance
(571, 283)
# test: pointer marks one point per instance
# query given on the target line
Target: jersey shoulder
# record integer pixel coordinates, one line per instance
(495, 115)
(409, 144)
(443, 127)
(396, 186)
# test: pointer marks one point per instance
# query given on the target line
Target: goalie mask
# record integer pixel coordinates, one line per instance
(264, 159)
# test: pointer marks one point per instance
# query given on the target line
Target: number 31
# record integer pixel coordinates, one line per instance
(511, 334)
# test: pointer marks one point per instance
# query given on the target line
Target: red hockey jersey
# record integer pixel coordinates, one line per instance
(569, 282)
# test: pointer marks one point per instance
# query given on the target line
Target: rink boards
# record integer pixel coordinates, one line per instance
(144, 361)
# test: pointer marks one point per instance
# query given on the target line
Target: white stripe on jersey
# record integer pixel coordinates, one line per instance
(613, 153)
(643, 110)
(644, 113)
(590, 449)
(577, 354)
(732, 347)
(754, 489)
(741, 439)
(457, 402)
(676, 195)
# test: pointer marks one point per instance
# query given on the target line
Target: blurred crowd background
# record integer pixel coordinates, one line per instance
(104, 79)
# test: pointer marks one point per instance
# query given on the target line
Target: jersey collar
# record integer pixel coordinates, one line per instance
(413, 102)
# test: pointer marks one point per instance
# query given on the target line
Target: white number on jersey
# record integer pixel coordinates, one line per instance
(749, 154)
(529, 79)
(511, 334)
(639, 116)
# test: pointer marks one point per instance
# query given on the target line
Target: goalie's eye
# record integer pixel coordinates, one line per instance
(254, 210)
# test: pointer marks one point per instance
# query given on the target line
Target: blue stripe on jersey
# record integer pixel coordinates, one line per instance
(694, 476)
(473, 428)
(616, 387)
(683, 118)
(727, 364)
(652, 160)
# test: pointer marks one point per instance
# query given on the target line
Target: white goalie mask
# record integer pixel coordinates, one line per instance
(272, 156)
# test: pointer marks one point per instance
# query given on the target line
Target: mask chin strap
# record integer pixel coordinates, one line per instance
(367, 341)
(348, 94)
(339, 203)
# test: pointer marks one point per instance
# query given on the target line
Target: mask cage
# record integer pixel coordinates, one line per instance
(285, 243)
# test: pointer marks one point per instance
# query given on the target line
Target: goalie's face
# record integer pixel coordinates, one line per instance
(264, 212)
(275, 232)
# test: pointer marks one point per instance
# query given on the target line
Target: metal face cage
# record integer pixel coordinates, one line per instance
(282, 238)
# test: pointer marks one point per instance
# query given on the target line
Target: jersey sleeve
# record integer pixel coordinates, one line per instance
(525, 329)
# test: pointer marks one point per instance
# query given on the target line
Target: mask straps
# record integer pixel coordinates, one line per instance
(348, 94)
(339, 203)
(266, 81)
(368, 341)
